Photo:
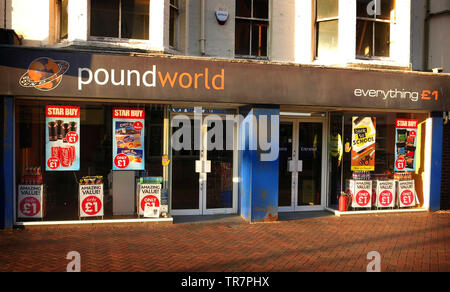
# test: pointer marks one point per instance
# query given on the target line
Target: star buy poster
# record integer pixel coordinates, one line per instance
(405, 144)
(363, 143)
(62, 138)
(128, 141)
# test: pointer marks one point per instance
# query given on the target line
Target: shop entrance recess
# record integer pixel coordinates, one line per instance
(202, 177)
(302, 164)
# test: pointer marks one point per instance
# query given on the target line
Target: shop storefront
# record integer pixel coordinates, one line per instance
(101, 138)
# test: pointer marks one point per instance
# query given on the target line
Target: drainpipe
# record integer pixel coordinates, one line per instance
(202, 28)
(4, 19)
(426, 36)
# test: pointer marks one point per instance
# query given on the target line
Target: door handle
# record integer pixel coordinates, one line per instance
(295, 165)
(203, 166)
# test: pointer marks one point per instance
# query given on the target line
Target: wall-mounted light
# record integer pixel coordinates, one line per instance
(222, 16)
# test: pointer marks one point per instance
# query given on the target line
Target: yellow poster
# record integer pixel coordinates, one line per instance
(363, 143)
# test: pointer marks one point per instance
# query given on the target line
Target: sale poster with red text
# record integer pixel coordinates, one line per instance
(91, 200)
(62, 138)
(406, 193)
(128, 141)
(30, 201)
(405, 144)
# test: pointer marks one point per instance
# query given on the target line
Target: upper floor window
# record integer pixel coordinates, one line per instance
(327, 24)
(373, 27)
(252, 21)
(62, 16)
(173, 23)
(123, 19)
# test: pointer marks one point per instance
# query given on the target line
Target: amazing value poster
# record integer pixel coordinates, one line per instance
(62, 138)
(405, 144)
(128, 141)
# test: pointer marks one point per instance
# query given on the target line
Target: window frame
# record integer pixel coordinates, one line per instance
(252, 19)
(176, 8)
(119, 38)
(373, 21)
(318, 20)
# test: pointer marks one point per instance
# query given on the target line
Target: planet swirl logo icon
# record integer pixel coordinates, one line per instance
(44, 74)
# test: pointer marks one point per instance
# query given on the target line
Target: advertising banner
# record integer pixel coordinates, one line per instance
(362, 194)
(406, 193)
(91, 200)
(385, 194)
(363, 143)
(30, 201)
(62, 138)
(149, 200)
(405, 144)
(128, 141)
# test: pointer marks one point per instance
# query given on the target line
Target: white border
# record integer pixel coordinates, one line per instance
(373, 212)
(78, 222)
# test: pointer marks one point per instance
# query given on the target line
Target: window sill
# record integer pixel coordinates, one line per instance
(110, 46)
(381, 63)
(253, 58)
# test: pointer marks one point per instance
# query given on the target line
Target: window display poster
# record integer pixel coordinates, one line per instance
(91, 200)
(406, 193)
(62, 138)
(385, 193)
(363, 143)
(405, 144)
(361, 194)
(128, 141)
(30, 201)
(150, 200)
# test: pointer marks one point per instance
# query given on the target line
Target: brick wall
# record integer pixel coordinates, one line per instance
(445, 185)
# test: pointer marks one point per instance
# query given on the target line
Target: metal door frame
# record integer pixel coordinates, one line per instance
(296, 121)
(203, 176)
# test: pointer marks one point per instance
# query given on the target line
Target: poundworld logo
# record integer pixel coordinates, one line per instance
(152, 78)
(44, 74)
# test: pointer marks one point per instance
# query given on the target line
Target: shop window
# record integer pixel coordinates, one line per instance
(373, 27)
(123, 19)
(252, 22)
(37, 135)
(173, 24)
(396, 154)
(327, 22)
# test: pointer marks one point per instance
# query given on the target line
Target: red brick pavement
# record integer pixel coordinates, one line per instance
(406, 242)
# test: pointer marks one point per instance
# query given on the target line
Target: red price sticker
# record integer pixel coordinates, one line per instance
(413, 134)
(91, 205)
(138, 126)
(53, 163)
(362, 198)
(407, 198)
(30, 206)
(121, 161)
(400, 163)
(385, 198)
(72, 137)
(149, 201)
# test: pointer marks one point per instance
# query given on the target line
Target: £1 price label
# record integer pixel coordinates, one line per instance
(121, 161)
(72, 137)
(407, 198)
(30, 206)
(149, 201)
(400, 163)
(385, 198)
(362, 198)
(53, 163)
(91, 205)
